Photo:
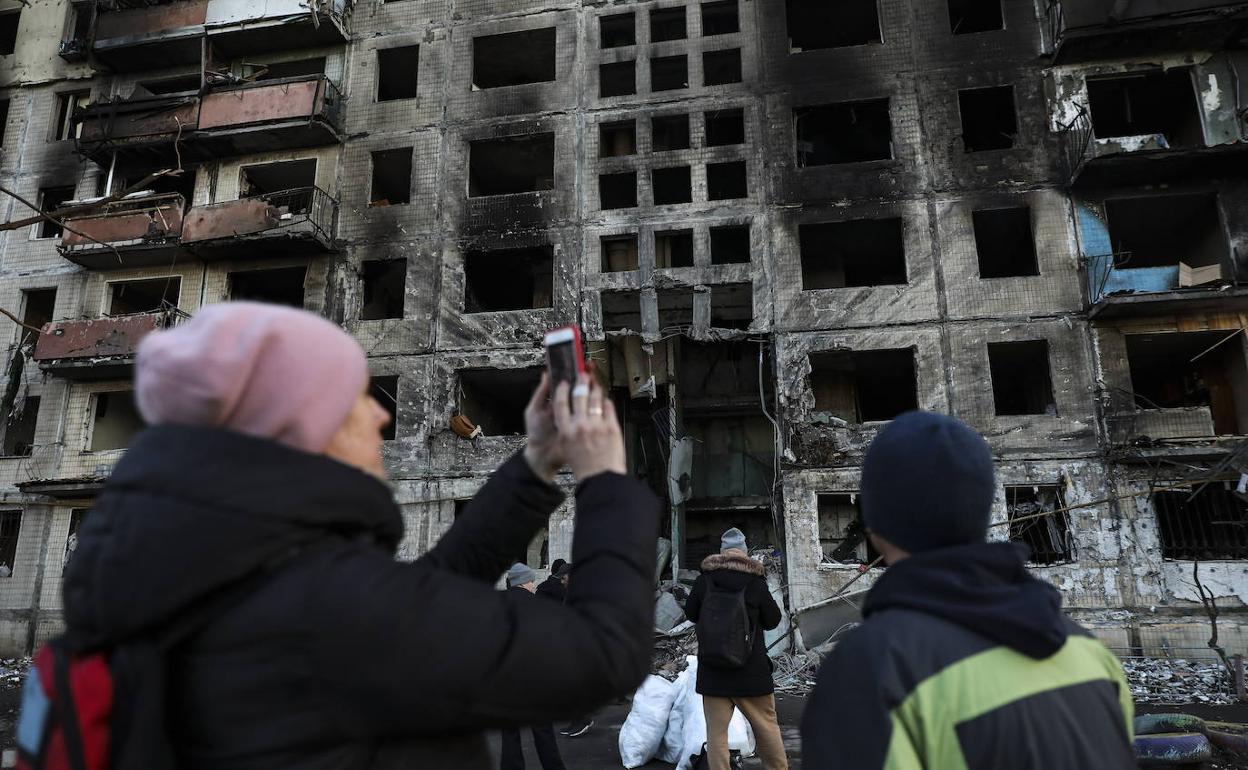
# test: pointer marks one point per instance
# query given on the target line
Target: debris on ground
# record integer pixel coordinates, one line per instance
(672, 650)
(795, 673)
(1178, 680)
(13, 671)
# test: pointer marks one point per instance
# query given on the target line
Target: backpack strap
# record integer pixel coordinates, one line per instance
(66, 711)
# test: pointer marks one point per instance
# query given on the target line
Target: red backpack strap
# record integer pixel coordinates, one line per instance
(66, 710)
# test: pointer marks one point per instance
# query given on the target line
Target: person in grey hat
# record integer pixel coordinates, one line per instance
(523, 578)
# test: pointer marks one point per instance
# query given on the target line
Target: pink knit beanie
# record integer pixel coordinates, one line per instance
(264, 370)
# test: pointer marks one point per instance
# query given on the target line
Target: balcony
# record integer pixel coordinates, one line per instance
(98, 348)
(1084, 30)
(240, 119)
(130, 233)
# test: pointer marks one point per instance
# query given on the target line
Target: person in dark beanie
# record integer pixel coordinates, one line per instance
(728, 685)
(522, 578)
(556, 586)
(963, 658)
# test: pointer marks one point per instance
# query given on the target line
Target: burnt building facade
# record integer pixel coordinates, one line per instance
(780, 223)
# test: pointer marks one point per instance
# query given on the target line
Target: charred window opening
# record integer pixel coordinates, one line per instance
(617, 30)
(618, 253)
(39, 307)
(1021, 383)
(51, 199)
(385, 391)
(675, 308)
(860, 252)
(10, 530)
(849, 132)
(669, 132)
(385, 286)
(4, 118)
(8, 31)
(513, 58)
(63, 121)
(76, 517)
(618, 191)
(668, 73)
(673, 248)
(725, 181)
(720, 18)
(721, 67)
(1203, 374)
(1147, 104)
(508, 279)
(1047, 536)
(621, 310)
(277, 177)
(864, 385)
(969, 16)
(1208, 522)
(494, 399)
(730, 244)
(816, 24)
(671, 185)
(144, 296)
(667, 24)
(1165, 230)
(512, 164)
(617, 79)
(1004, 244)
(732, 305)
(19, 428)
(278, 286)
(166, 86)
(115, 421)
(705, 523)
(397, 72)
(392, 177)
(617, 139)
(725, 127)
(989, 120)
(841, 531)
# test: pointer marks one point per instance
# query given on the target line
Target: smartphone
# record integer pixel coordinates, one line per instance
(565, 356)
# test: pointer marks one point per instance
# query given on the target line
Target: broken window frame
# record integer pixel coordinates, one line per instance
(106, 397)
(803, 112)
(10, 537)
(386, 57)
(170, 295)
(382, 271)
(519, 145)
(851, 364)
(248, 277)
(805, 26)
(384, 389)
(1210, 526)
(50, 229)
(20, 428)
(1006, 371)
(30, 309)
(509, 267)
(874, 234)
(1189, 110)
(997, 144)
(853, 540)
(63, 126)
(1048, 538)
(507, 419)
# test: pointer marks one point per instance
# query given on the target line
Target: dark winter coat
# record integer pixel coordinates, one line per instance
(552, 588)
(733, 572)
(966, 660)
(343, 657)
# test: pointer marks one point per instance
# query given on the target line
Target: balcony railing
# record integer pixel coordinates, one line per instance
(97, 348)
(1082, 29)
(304, 210)
(1076, 140)
(143, 220)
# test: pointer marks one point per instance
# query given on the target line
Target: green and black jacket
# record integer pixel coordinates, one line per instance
(966, 662)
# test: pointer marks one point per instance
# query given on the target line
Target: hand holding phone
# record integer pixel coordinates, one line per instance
(565, 355)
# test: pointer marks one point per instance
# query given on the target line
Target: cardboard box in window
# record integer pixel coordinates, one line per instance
(1198, 276)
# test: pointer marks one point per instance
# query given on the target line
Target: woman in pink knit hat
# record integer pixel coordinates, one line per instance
(254, 520)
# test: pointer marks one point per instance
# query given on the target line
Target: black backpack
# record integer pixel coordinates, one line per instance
(725, 630)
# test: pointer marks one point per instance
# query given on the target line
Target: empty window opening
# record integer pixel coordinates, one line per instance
(1166, 230)
(675, 308)
(385, 391)
(8, 31)
(667, 24)
(76, 517)
(618, 191)
(728, 180)
(673, 248)
(392, 177)
(721, 67)
(116, 420)
(669, 132)
(864, 385)
(64, 125)
(671, 185)
(720, 18)
(1192, 371)
(512, 164)
(730, 244)
(816, 24)
(618, 252)
(39, 307)
(1212, 523)
(293, 68)
(1147, 104)
(621, 310)
(144, 296)
(166, 86)
(705, 522)
(51, 199)
(494, 399)
(19, 428)
(733, 454)
(1048, 537)
(969, 16)
(279, 286)
(850, 132)
(1021, 383)
(397, 72)
(4, 118)
(269, 178)
(10, 529)
(989, 120)
(508, 279)
(668, 73)
(860, 252)
(842, 534)
(732, 305)
(385, 286)
(617, 30)
(513, 58)
(725, 127)
(617, 139)
(1004, 244)
(617, 79)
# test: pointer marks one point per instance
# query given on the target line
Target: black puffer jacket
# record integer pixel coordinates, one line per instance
(733, 572)
(342, 657)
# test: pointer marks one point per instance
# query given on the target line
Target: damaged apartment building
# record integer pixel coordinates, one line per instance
(780, 223)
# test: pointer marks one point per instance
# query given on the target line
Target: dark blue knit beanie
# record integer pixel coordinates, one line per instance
(928, 483)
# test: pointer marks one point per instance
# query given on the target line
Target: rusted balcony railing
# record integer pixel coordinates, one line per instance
(97, 348)
(148, 219)
(1085, 29)
(304, 210)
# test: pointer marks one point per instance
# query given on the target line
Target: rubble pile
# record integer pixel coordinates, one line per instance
(13, 671)
(671, 652)
(1178, 680)
(795, 673)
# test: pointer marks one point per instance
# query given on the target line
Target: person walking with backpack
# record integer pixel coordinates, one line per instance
(522, 578)
(732, 606)
(963, 659)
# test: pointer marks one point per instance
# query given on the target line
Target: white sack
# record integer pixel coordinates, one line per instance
(686, 728)
(643, 730)
(673, 738)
